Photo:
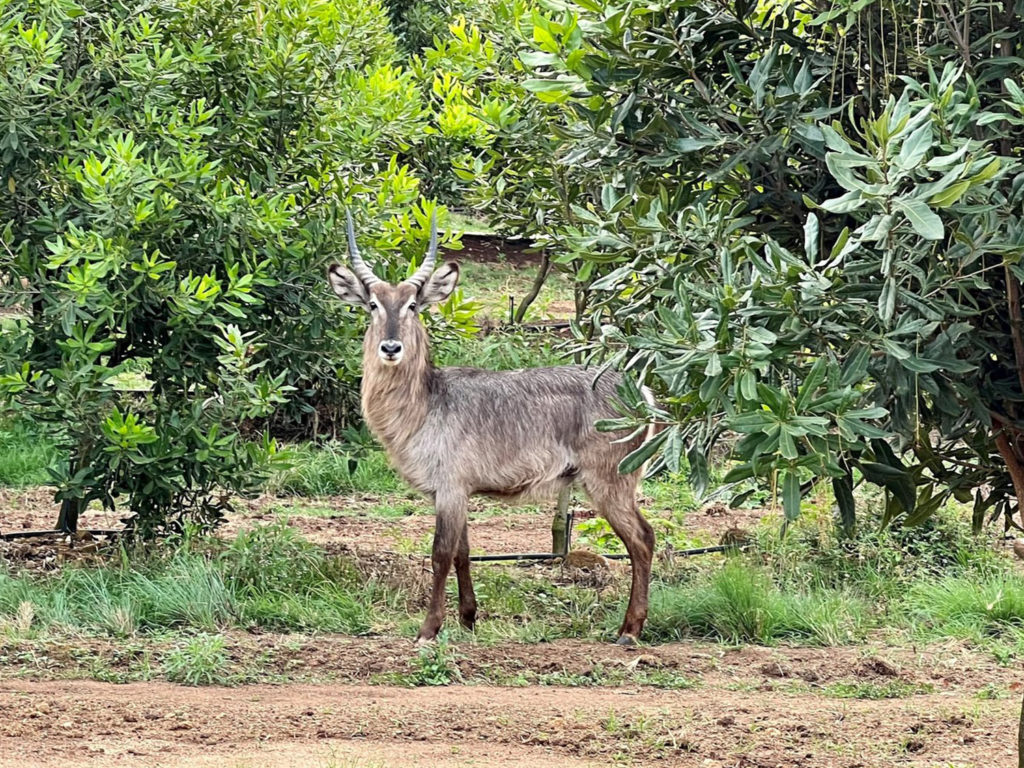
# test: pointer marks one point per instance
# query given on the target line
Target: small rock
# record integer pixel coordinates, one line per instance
(774, 669)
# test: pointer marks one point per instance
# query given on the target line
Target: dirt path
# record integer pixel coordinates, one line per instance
(157, 724)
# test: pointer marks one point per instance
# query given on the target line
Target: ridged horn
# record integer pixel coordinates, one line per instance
(427, 267)
(362, 271)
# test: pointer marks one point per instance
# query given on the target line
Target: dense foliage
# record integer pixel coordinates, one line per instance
(805, 229)
(800, 225)
(173, 182)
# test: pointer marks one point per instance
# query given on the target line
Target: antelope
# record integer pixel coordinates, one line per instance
(452, 433)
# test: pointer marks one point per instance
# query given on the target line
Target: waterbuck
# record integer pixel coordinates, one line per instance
(452, 433)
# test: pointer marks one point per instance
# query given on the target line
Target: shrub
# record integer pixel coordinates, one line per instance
(174, 178)
(805, 230)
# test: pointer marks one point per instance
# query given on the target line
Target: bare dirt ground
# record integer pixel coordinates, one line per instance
(748, 707)
(156, 724)
(490, 249)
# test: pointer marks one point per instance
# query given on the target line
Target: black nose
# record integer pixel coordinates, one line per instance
(391, 347)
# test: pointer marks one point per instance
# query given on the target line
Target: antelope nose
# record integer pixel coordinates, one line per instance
(390, 347)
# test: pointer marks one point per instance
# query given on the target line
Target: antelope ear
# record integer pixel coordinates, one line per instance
(349, 288)
(440, 285)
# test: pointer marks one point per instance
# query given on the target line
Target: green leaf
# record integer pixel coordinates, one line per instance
(811, 237)
(855, 368)
(898, 481)
(950, 195)
(536, 59)
(842, 489)
(747, 381)
(787, 445)
(551, 91)
(849, 202)
(811, 383)
(877, 228)
(637, 458)
(987, 172)
(887, 300)
(738, 473)
(840, 243)
(923, 220)
(915, 147)
(791, 495)
(689, 144)
(845, 176)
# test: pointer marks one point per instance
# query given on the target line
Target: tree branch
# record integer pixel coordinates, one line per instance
(538, 284)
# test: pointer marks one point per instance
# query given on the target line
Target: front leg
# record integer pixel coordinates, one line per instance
(467, 598)
(449, 527)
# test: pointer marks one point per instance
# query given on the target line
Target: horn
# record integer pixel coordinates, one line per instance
(427, 267)
(362, 271)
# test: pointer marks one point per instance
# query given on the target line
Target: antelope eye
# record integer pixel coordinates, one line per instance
(373, 306)
(412, 306)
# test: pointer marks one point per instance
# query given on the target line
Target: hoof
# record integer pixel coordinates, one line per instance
(422, 641)
(626, 640)
(468, 620)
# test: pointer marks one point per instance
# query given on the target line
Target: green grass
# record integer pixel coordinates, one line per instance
(200, 660)
(492, 283)
(739, 603)
(597, 675)
(25, 455)
(503, 350)
(471, 224)
(891, 689)
(268, 577)
(880, 563)
(810, 587)
(333, 469)
(987, 609)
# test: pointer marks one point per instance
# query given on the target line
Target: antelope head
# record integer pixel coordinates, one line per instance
(396, 331)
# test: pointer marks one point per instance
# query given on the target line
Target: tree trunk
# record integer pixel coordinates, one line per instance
(538, 283)
(67, 520)
(1020, 737)
(561, 526)
(1013, 466)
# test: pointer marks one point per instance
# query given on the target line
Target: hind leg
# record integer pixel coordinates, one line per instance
(616, 502)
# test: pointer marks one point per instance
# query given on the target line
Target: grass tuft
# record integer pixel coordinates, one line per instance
(202, 660)
(739, 603)
(970, 608)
